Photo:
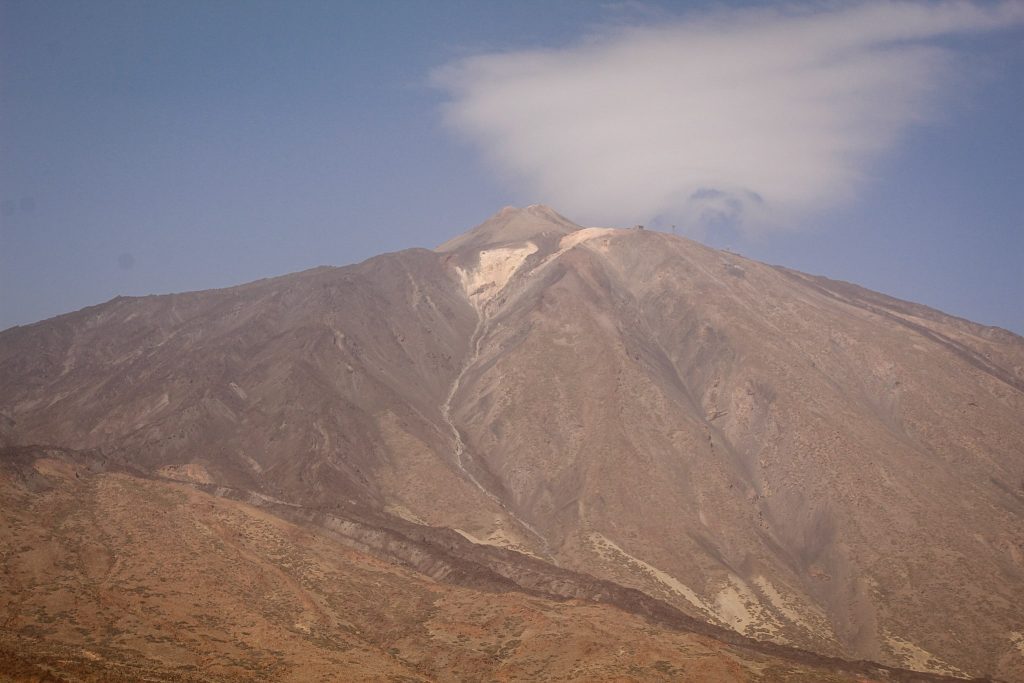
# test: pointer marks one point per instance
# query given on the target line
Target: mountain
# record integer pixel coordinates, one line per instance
(620, 417)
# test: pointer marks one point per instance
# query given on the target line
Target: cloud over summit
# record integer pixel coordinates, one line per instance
(745, 117)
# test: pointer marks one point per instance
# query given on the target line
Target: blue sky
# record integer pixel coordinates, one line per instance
(156, 147)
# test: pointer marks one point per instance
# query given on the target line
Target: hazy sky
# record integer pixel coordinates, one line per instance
(150, 147)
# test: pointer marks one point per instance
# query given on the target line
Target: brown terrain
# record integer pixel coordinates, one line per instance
(119, 577)
(539, 451)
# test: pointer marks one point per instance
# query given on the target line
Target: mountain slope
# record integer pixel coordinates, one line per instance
(117, 577)
(793, 458)
(817, 469)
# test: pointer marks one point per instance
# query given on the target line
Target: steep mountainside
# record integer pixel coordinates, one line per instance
(796, 459)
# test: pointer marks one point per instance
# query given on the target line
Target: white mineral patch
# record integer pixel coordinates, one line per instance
(736, 605)
(610, 551)
(792, 609)
(498, 538)
(741, 609)
(494, 270)
(584, 235)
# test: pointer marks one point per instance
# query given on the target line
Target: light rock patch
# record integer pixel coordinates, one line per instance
(791, 609)
(612, 552)
(918, 658)
(584, 235)
(739, 607)
(493, 271)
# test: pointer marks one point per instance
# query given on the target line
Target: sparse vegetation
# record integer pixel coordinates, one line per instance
(198, 589)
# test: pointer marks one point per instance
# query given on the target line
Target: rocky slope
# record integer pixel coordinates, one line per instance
(111, 576)
(798, 460)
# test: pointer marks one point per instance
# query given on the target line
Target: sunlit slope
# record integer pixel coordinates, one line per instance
(800, 460)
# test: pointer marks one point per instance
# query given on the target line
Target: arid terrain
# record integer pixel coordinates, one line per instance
(111, 576)
(539, 451)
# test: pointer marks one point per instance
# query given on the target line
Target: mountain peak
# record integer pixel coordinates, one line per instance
(613, 416)
(513, 224)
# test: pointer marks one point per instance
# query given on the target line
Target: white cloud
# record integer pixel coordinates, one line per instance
(752, 117)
